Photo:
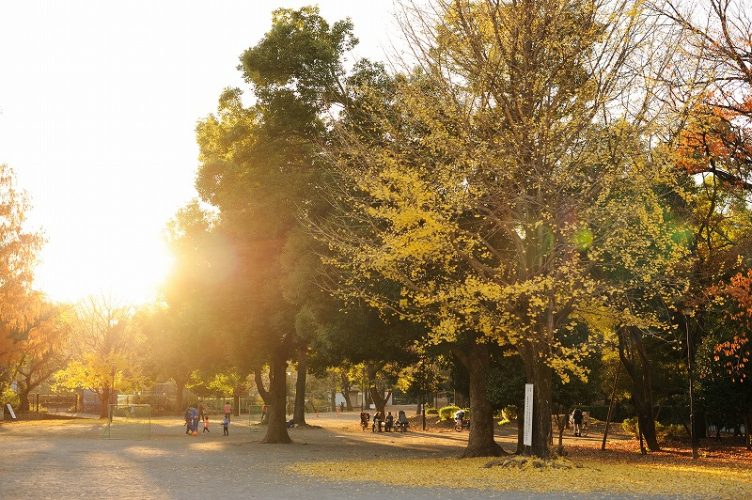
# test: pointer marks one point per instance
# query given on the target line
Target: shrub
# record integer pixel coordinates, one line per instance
(447, 412)
(432, 411)
(670, 431)
(630, 426)
(509, 413)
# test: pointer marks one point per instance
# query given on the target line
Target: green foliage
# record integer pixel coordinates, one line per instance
(510, 413)
(631, 426)
(447, 412)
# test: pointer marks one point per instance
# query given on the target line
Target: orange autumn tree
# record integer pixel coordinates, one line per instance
(717, 139)
(735, 353)
(17, 255)
(724, 357)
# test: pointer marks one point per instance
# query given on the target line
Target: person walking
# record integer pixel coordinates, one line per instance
(226, 426)
(206, 424)
(577, 419)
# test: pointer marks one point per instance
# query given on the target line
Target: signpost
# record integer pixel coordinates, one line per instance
(527, 437)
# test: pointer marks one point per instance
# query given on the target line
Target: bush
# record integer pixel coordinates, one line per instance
(432, 411)
(630, 426)
(447, 412)
(670, 431)
(10, 396)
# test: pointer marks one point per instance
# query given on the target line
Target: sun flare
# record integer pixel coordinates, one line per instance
(128, 269)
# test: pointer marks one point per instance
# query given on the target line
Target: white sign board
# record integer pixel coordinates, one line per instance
(527, 437)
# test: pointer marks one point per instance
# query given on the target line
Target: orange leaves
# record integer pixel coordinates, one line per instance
(709, 135)
(734, 354)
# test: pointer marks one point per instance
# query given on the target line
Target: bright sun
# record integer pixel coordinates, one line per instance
(128, 268)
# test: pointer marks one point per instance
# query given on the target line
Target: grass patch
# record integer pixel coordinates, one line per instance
(587, 476)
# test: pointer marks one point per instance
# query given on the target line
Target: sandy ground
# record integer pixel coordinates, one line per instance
(70, 459)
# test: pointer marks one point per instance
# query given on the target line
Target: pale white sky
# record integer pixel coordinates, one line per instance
(98, 104)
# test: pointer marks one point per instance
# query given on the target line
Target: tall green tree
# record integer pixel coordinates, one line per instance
(259, 168)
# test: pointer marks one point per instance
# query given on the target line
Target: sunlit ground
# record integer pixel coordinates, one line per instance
(337, 456)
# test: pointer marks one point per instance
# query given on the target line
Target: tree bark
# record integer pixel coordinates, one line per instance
(260, 386)
(635, 361)
(300, 383)
(346, 391)
(236, 404)
(379, 400)
(276, 431)
(104, 402)
(179, 388)
(23, 396)
(481, 441)
(540, 375)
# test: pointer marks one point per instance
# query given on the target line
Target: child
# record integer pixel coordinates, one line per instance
(225, 426)
(206, 423)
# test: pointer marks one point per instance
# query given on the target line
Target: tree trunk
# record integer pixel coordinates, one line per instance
(748, 431)
(541, 377)
(481, 441)
(635, 361)
(300, 383)
(379, 400)
(346, 391)
(236, 404)
(179, 388)
(23, 396)
(276, 431)
(104, 402)
(520, 428)
(260, 386)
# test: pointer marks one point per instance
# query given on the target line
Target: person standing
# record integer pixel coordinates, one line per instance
(188, 420)
(228, 410)
(226, 426)
(194, 418)
(206, 423)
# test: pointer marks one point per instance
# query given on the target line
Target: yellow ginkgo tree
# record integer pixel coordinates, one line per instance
(492, 190)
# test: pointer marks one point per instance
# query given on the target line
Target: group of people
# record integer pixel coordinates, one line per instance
(387, 421)
(194, 415)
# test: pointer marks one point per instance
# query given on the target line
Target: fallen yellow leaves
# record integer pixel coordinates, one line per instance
(588, 475)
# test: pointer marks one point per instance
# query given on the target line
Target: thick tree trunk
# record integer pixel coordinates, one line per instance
(346, 391)
(23, 396)
(300, 383)
(379, 400)
(541, 377)
(481, 441)
(236, 404)
(276, 431)
(179, 388)
(260, 386)
(104, 402)
(635, 361)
